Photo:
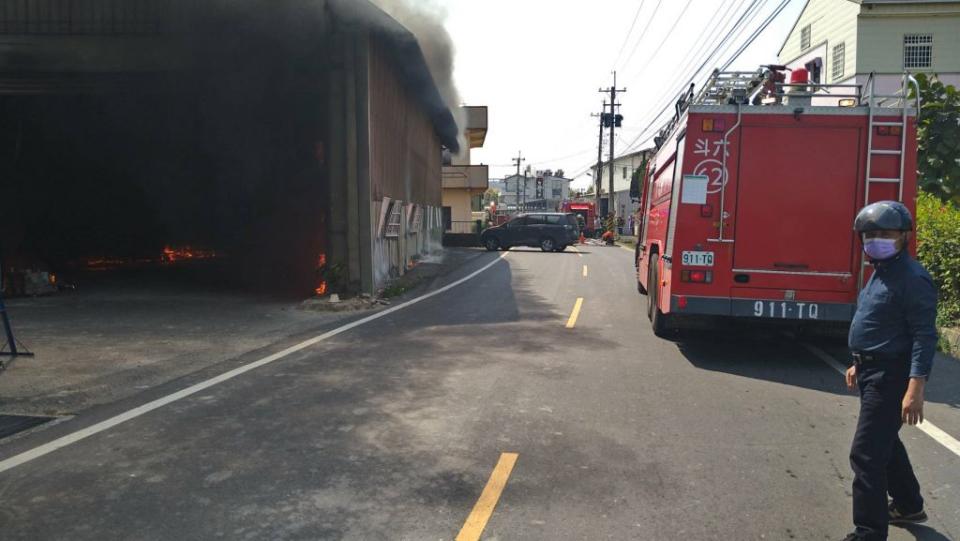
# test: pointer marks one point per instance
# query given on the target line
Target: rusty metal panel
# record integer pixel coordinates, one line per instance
(405, 151)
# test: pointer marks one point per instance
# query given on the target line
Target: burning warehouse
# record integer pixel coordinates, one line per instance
(285, 145)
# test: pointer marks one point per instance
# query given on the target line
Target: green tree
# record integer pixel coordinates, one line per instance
(938, 249)
(938, 134)
(490, 196)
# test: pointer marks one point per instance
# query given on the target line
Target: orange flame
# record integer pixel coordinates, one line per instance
(171, 255)
(167, 256)
(321, 289)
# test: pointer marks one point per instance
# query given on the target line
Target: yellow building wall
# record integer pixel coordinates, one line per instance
(458, 199)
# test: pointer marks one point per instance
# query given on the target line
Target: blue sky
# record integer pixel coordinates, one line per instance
(537, 64)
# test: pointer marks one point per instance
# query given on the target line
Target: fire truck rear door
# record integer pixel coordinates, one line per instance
(796, 200)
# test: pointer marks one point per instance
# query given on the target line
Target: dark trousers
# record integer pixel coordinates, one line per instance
(878, 457)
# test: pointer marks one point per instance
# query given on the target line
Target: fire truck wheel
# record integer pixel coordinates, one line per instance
(547, 244)
(659, 321)
(491, 244)
(651, 289)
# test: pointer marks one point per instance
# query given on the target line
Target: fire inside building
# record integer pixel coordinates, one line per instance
(284, 145)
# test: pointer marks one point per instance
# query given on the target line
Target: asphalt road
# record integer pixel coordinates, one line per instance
(392, 430)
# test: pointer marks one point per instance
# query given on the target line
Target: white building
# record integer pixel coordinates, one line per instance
(623, 170)
(849, 39)
(542, 190)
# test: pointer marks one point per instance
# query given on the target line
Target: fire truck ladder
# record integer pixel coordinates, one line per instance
(875, 102)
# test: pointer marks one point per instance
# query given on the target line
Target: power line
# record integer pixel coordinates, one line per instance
(581, 153)
(626, 38)
(756, 33)
(763, 26)
(736, 29)
(702, 43)
(643, 33)
(664, 41)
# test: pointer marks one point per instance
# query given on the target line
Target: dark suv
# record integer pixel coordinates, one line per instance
(551, 231)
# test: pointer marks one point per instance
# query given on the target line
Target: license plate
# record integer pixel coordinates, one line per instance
(697, 259)
(786, 310)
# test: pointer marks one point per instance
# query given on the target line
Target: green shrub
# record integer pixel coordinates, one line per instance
(938, 249)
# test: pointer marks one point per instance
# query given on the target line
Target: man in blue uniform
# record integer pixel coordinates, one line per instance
(893, 338)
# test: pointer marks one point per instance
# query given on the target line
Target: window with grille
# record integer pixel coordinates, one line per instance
(838, 61)
(917, 51)
(805, 37)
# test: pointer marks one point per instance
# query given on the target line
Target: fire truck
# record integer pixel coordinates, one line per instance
(584, 209)
(747, 206)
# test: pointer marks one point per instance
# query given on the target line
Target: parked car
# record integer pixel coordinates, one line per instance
(550, 231)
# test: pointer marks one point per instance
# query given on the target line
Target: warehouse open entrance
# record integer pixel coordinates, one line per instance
(159, 178)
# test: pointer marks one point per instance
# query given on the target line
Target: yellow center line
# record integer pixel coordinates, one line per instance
(483, 509)
(572, 322)
(585, 271)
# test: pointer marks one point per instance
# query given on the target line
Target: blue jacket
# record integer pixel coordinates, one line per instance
(896, 314)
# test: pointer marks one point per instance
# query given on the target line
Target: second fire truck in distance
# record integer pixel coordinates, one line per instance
(748, 204)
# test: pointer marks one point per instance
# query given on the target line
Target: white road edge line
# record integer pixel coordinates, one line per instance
(107, 424)
(926, 426)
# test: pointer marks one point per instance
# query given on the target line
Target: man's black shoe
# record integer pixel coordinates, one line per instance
(896, 517)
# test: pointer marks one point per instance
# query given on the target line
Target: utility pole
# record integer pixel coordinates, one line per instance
(517, 161)
(614, 123)
(598, 174)
(525, 171)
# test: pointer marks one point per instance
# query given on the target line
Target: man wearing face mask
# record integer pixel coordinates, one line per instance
(893, 338)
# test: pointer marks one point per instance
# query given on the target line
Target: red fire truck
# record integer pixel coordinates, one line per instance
(748, 204)
(584, 209)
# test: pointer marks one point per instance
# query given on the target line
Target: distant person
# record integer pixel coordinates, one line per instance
(893, 337)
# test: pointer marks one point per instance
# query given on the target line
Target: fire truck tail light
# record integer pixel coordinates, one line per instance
(681, 302)
(696, 276)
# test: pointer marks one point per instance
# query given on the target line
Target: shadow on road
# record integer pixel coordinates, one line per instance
(773, 357)
(766, 356)
(925, 533)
